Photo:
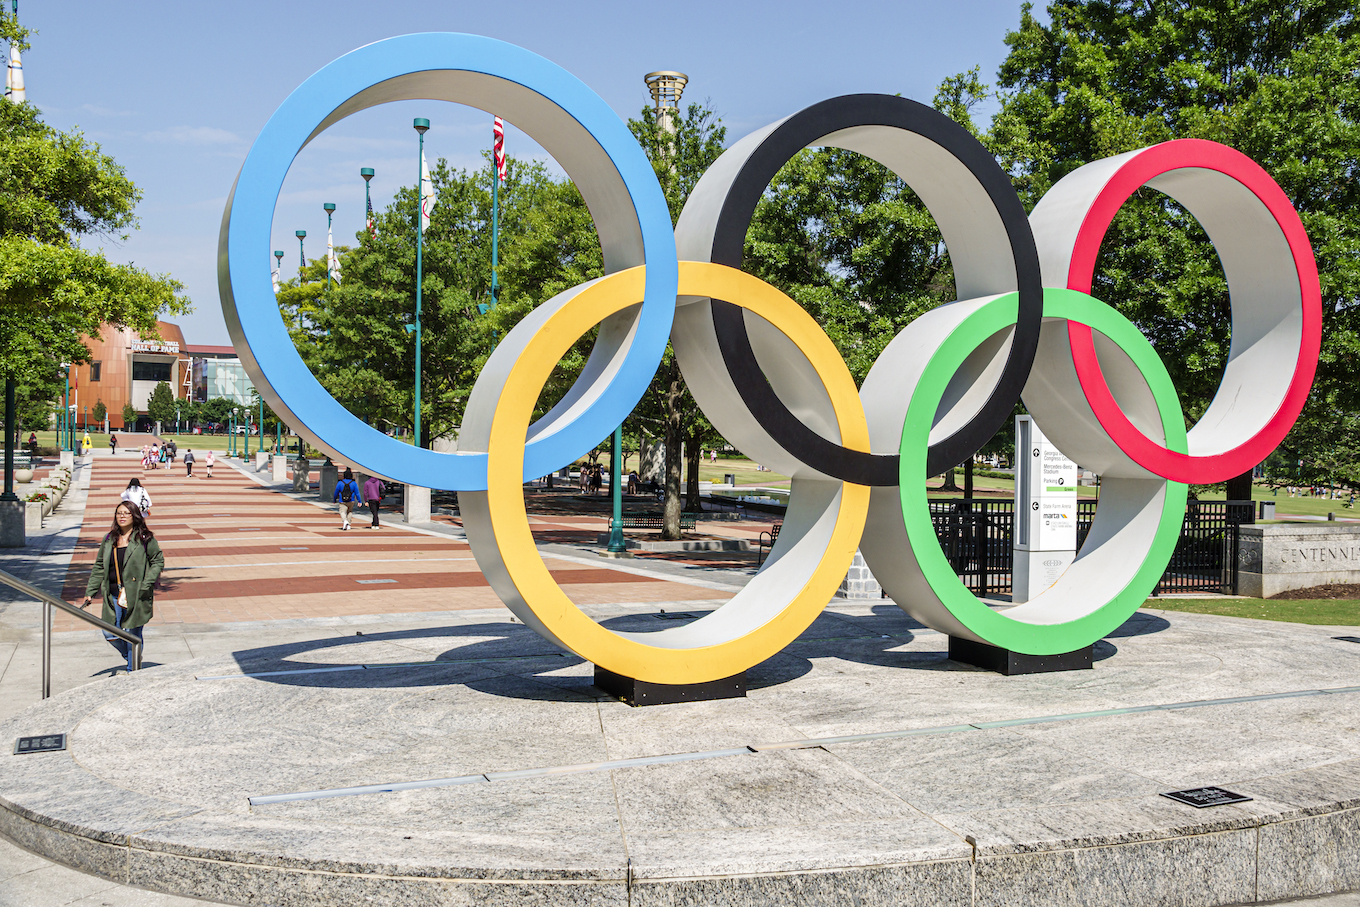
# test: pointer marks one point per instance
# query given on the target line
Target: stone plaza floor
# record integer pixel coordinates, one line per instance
(863, 765)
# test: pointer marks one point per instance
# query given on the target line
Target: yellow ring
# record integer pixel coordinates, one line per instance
(627, 654)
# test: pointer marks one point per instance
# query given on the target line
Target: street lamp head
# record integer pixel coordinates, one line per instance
(421, 125)
(278, 253)
(366, 173)
(300, 234)
(329, 206)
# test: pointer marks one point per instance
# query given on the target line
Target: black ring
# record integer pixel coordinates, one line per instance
(800, 131)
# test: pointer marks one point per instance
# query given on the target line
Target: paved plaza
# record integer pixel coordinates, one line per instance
(465, 760)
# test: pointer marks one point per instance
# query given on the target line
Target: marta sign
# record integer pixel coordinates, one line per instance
(773, 383)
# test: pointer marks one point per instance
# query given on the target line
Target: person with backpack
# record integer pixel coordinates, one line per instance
(189, 463)
(373, 493)
(135, 494)
(347, 496)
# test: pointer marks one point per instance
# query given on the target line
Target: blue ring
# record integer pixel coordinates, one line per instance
(252, 312)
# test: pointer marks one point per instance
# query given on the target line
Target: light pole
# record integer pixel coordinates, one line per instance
(421, 126)
(302, 255)
(261, 423)
(330, 255)
(65, 443)
(367, 174)
(278, 257)
(245, 411)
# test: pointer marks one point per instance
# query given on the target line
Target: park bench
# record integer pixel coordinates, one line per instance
(651, 521)
(767, 540)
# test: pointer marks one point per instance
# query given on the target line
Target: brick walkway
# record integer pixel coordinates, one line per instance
(235, 551)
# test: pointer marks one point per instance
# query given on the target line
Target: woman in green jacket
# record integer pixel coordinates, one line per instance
(129, 561)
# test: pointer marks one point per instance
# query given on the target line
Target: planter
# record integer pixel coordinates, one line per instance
(33, 516)
(23, 476)
(47, 506)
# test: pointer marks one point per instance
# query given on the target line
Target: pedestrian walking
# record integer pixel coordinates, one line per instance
(347, 496)
(189, 463)
(125, 573)
(373, 492)
(136, 495)
(208, 459)
(163, 457)
(113, 444)
(146, 458)
(86, 445)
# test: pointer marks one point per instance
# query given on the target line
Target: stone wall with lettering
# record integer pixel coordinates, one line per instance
(1279, 557)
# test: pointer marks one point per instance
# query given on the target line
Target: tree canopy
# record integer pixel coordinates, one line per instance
(57, 189)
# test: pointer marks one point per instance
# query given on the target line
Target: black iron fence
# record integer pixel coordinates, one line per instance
(975, 535)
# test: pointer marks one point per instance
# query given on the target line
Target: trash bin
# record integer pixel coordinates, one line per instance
(729, 478)
(1267, 510)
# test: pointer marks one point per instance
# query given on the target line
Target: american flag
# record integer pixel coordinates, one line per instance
(499, 148)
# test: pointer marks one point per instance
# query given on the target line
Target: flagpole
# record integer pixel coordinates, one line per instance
(495, 227)
(330, 252)
(421, 125)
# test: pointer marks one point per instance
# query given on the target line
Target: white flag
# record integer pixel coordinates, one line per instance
(426, 194)
(332, 260)
(278, 284)
(14, 78)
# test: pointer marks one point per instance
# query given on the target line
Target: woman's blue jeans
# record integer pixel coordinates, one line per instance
(122, 645)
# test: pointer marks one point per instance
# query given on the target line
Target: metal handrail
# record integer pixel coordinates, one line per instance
(51, 601)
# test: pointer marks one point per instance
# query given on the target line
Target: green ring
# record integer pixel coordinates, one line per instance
(994, 627)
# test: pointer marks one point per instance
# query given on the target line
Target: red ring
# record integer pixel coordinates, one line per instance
(1141, 168)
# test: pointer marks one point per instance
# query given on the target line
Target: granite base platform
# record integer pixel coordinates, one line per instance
(474, 764)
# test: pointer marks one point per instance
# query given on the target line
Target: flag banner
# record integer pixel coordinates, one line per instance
(14, 78)
(498, 129)
(278, 282)
(426, 194)
(332, 260)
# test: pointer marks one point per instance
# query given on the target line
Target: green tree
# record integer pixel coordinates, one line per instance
(355, 336)
(129, 417)
(216, 411)
(161, 405)
(56, 190)
(1275, 80)
(100, 411)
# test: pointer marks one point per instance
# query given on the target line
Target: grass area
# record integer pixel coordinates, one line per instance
(1338, 613)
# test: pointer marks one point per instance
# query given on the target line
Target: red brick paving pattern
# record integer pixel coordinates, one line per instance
(216, 572)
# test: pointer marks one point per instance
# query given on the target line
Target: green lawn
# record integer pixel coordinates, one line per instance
(1340, 613)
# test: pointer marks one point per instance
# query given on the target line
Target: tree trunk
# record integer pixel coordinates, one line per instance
(968, 477)
(694, 452)
(671, 515)
(949, 483)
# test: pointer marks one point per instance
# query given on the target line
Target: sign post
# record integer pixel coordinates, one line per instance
(1045, 537)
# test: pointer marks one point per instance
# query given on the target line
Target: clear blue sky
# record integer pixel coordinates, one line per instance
(176, 92)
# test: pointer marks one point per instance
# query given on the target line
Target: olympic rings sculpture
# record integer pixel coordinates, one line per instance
(771, 381)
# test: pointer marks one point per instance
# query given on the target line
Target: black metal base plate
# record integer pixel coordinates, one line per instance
(1004, 661)
(641, 692)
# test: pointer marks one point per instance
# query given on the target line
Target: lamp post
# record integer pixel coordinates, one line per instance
(330, 210)
(367, 174)
(10, 441)
(245, 411)
(421, 126)
(261, 423)
(278, 257)
(302, 255)
(65, 444)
